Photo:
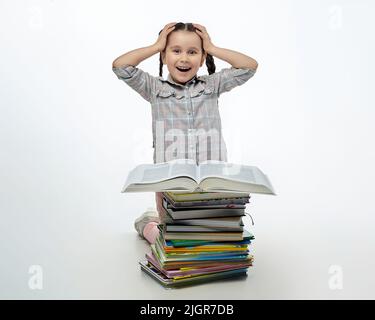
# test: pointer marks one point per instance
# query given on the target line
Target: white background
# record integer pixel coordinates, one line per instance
(70, 131)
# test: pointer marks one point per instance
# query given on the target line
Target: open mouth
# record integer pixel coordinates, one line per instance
(183, 69)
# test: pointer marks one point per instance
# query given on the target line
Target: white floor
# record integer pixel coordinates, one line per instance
(291, 262)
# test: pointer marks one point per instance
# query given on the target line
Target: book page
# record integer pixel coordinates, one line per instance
(178, 185)
(230, 171)
(183, 167)
(151, 173)
(233, 172)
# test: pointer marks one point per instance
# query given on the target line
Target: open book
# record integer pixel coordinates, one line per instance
(184, 175)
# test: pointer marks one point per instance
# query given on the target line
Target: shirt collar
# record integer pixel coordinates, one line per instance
(170, 80)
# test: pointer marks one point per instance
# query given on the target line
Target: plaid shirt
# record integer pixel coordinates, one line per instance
(186, 122)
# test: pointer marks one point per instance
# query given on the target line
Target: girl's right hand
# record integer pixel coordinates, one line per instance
(162, 39)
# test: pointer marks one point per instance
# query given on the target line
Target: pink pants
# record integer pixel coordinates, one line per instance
(151, 231)
(159, 205)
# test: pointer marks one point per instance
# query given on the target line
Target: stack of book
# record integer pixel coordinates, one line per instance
(202, 239)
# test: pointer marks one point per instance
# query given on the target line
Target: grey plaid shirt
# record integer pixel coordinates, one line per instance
(186, 122)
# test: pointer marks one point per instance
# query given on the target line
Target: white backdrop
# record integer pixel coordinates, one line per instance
(70, 131)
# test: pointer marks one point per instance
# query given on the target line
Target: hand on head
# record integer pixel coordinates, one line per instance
(162, 39)
(202, 32)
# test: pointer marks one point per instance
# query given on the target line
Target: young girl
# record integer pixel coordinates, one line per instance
(184, 106)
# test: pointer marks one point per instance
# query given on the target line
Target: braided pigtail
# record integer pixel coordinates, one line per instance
(210, 63)
(160, 66)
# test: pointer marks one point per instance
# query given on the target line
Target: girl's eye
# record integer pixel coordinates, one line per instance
(192, 51)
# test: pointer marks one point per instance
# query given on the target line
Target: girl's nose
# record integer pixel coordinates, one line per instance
(184, 57)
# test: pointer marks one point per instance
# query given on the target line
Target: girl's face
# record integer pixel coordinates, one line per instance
(184, 49)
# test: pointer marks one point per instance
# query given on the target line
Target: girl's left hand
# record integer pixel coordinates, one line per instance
(202, 32)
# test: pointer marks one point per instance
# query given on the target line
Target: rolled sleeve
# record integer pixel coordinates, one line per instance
(229, 78)
(137, 79)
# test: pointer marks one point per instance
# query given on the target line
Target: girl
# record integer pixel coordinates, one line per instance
(184, 106)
